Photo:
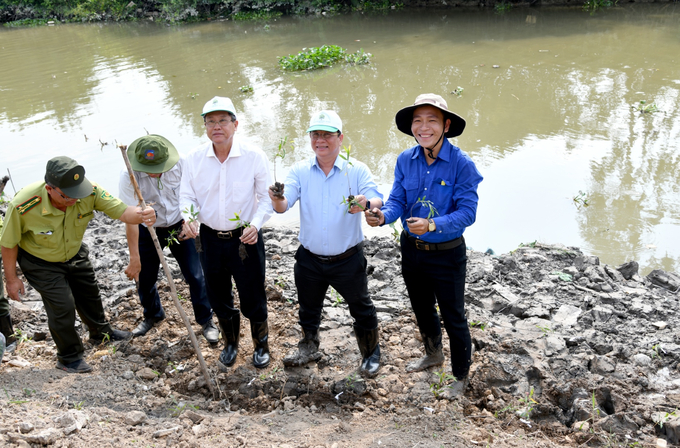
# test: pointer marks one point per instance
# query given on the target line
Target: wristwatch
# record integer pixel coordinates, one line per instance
(431, 227)
(368, 205)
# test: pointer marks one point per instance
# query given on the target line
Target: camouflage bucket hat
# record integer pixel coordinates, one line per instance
(152, 154)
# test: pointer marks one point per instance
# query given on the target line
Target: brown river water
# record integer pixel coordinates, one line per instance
(549, 94)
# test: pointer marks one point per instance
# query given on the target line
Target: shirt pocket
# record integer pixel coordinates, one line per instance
(80, 225)
(412, 190)
(44, 236)
(242, 192)
(442, 192)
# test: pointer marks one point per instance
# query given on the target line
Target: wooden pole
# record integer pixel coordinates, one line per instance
(168, 275)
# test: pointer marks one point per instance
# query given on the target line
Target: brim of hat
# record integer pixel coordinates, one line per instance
(218, 109)
(405, 116)
(173, 158)
(80, 191)
(322, 128)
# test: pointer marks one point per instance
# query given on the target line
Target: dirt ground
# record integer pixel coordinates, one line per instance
(568, 352)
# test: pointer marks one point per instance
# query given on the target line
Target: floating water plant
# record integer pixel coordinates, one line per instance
(319, 57)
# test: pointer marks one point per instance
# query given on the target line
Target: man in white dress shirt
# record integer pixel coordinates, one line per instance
(331, 240)
(158, 170)
(224, 199)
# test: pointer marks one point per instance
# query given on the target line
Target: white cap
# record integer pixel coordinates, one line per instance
(219, 103)
(326, 120)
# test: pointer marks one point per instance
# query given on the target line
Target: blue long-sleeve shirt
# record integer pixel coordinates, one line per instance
(450, 183)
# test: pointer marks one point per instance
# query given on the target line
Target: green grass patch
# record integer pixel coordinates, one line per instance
(26, 22)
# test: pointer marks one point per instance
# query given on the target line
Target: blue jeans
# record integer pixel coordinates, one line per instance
(438, 277)
(187, 258)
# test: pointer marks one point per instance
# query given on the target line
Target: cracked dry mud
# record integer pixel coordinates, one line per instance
(568, 352)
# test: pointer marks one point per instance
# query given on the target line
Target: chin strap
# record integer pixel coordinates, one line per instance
(430, 154)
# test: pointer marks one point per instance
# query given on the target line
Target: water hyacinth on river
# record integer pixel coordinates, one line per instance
(558, 104)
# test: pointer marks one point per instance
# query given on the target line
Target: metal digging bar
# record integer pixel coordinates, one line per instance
(168, 275)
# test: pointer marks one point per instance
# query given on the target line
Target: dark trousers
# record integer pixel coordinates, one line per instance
(438, 277)
(189, 263)
(66, 288)
(221, 262)
(347, 276)
(4, 301)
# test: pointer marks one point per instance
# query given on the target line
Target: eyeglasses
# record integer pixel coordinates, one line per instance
(213, 123)
(322, 135)
(60, 194)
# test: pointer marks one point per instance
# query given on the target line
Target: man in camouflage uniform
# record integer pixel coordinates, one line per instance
(44, 229)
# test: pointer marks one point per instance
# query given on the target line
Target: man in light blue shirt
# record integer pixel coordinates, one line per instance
(331, 239)
(435, 195)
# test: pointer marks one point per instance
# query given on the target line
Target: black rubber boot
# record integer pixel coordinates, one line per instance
(307, 351)
(434, 356)
(7, 329)
(230, 332)
(260, 334)
(369, 346)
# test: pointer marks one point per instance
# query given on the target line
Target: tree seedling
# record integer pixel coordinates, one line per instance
(349, 201)
(425, 203)
(193, 216)
(478, 323)
(438, 387)
(173, 237)
(242, 253)
(277, 189)
(337, 298)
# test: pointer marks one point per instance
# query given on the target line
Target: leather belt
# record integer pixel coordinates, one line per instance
(224, 235)
(330, 259)
(446, 245)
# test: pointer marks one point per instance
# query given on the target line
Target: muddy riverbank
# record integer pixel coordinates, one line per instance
(568, 352)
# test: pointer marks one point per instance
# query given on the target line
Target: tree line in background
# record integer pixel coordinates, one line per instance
(38, 12)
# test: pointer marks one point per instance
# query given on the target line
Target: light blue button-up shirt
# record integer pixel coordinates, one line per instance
(326, 228)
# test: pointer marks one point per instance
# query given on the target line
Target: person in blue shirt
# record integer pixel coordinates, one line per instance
(435, 196)
(331, 240)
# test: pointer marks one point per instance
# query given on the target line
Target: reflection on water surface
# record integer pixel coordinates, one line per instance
(557, 117)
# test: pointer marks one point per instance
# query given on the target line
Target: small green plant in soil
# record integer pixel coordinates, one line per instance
(657, 351)
(662, 417)
(277, 189)
(337, 298)
(582, 199)
(350, 200)
(645, 108)
(242, 253)
(193, 217)
(437, 388)
(21, 336)
(545, 329)
(179, 409)
(479, 324)
(315, 58)
(246, 89)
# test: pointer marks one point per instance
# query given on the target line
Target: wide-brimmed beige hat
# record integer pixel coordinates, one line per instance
(405, 115)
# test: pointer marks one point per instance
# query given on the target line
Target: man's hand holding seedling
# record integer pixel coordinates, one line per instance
(279, 201)
(417, 226)
(358, 204)
(374, 217)
(249, 235)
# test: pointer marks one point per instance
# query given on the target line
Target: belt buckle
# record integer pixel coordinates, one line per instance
(422, 245)
(324, 259)
(224, 235)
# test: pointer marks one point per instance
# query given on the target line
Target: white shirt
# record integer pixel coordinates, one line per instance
(162, 192)
(218, 190)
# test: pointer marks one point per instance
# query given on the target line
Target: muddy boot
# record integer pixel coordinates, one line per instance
(457, 389)
(433, 354)
(370, 350)
(230, 332)
(308, 350)
(2, 346)
(260, 333)
(7, 329)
